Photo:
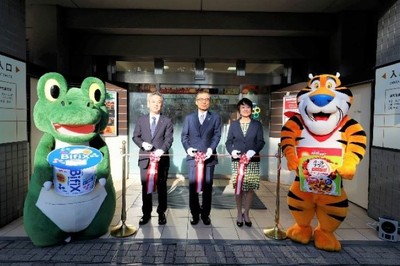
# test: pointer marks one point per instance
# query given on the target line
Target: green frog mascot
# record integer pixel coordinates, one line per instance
(68, 198)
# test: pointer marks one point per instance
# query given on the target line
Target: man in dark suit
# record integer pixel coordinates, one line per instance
(201, 132)
(153, 134)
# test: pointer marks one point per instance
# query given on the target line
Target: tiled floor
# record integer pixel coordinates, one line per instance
(357, 226)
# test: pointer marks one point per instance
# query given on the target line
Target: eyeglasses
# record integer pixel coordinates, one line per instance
(203, 99)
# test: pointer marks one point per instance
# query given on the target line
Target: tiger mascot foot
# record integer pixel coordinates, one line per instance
(326, 241)
(301, 234)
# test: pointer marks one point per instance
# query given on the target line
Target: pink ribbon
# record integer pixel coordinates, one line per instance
(243, 162)
(152, 173)
(200, 157)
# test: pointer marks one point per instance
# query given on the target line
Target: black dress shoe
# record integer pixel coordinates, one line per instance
(206, 220)
(249, 224)
(240, 224)
(161, 219)
(144, 220)
(195, 220)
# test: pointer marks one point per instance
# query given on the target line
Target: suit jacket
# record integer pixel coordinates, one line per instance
(163, 137)
(254, 139)
(201, 137)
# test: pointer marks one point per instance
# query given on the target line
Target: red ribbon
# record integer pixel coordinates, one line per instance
(200, 157)
(152, 173)
(243, 162)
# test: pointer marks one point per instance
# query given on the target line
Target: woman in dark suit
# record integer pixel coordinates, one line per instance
(244, 142)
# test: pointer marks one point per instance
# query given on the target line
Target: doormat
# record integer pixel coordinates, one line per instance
(223, 197)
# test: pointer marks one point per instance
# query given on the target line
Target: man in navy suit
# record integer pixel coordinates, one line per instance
(153, 134)
(201, 132)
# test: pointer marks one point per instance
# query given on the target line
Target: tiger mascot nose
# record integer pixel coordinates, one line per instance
(321, 99)
(322, 96)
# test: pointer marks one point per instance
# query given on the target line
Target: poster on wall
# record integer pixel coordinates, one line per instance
(13, 106)
(289, 107)
(112, 106)
(386, 127)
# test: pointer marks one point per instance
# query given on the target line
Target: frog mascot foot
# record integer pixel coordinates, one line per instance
(75, 201)
(301, 234)
(326, 240)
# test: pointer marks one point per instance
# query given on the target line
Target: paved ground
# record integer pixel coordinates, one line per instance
(20, 251)
(222, 242)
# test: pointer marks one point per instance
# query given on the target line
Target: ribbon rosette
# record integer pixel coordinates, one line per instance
(243, 162)
(200, 157)
(152, 172)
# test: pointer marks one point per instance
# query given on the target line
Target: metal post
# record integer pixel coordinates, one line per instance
(275, 232)
(123, 230)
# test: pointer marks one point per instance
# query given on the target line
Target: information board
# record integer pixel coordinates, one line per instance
(13, 119)
(386, 129)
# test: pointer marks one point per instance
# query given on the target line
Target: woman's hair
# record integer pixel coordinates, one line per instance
(244, 101)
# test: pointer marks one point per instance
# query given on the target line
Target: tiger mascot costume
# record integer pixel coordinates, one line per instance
(322, 122)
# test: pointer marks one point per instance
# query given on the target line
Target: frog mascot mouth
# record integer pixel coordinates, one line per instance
(69, 117)
(74, 130)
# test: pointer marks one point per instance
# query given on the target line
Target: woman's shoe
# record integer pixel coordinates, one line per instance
(240, 224)
(249, 224)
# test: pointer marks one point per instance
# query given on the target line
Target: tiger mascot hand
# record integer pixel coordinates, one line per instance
(348, 169)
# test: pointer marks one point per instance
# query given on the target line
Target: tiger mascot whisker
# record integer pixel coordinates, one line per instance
(323, 145)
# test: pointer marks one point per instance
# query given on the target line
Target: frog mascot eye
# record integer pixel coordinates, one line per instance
(52, 90)
(95, 93)
(68, 200)
(322, 145)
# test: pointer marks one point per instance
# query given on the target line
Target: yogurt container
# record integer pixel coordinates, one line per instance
(74, 169)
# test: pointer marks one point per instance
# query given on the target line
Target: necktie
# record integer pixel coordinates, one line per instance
(201, 119)
(153, 126)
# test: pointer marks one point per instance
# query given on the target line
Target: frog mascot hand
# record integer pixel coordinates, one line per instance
(68, 116)
(324, 129)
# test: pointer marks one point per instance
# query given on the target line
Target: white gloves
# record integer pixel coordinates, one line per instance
(47, 185)
(235, 154)
(208, 153)
(147, 146)
(191, 151)
(250, 153)
(159, 152)
(102, 182)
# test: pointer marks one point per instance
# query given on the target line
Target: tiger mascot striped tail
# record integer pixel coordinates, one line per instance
(321, 128)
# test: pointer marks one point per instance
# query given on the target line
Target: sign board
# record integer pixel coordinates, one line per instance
(386, 127)
(13, 106)
(289, 106)
(112, 107)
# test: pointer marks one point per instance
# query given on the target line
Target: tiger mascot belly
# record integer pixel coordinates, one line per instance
(322, 122)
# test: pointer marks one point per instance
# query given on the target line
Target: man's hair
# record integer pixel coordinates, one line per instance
(156, 93)
(202, 92)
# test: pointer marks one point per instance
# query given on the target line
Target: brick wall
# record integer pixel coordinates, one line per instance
(384, 194)
(122, 108)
